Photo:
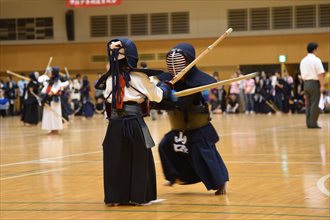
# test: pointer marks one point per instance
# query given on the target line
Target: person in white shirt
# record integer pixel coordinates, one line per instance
(312, 73)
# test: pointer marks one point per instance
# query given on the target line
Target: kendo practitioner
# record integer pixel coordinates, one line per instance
(188, 153)
(88, 107)
(30, 111)
(51, 92)
(65, 99)
(128, 164)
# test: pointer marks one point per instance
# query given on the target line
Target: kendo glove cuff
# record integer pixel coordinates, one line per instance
(166, 90)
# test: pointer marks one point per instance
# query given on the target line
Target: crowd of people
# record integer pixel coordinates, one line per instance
(27, 97)
(267, 93)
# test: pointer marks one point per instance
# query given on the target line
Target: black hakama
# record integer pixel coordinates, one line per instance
(129, 170)
(30, 112)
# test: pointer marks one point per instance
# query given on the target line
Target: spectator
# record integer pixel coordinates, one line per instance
(312, 73)
(4, 104)
(233, 104)
(249, 90)
(11, 94)
(21, 84)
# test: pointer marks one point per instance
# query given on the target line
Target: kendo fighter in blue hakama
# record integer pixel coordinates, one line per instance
(188, 153)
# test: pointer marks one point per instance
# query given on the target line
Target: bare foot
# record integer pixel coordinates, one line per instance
(222, 189)
(54, 132)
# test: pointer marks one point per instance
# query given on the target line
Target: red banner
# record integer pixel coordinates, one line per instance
(91, 3)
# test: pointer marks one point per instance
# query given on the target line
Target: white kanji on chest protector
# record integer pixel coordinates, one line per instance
(179, 143)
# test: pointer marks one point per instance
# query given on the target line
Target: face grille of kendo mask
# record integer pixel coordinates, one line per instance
(175, 61)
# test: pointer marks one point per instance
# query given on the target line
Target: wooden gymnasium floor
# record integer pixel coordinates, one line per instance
(278, 170)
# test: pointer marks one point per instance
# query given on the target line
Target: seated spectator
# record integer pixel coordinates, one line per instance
(233, 104)
(4, 104)
(99, 106)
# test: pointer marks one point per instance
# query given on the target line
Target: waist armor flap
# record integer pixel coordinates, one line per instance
(183, 120)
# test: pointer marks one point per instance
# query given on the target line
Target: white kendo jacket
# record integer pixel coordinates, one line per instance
(141, 82)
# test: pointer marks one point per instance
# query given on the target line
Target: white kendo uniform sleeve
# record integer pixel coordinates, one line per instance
(141, 82)
(59, 86)
(42, 79)
(154, 79)
(65, 84)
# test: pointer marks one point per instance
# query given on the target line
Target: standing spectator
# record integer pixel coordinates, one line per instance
(279, 88)
(218, 97)
(312, 73)
(21, 84)
(11, 94)
(87, 106)
(249, 90)
(298, 105)
(75, 94)
(234, 88)
(258, 98)
(242, 96)
(287, 91)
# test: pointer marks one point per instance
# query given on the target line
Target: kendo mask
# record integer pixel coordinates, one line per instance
(122, 51)
(123, 58)
(179, 57)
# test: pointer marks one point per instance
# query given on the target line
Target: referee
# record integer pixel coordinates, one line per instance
(312, 72)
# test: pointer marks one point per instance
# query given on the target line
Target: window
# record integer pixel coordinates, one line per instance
(118, 25)
(139, 24)
(238, 19)
(159, 23)
(7, 29)
(26, 28)
(179, 22)
(282, 17)
(259, 19)
(99, 26)
(306, 16)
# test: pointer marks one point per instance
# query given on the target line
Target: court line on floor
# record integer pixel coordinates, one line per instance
(161, 211)
(49, 158)
(159, 201)
(321, 185)
(275, 162)
(31, 174)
